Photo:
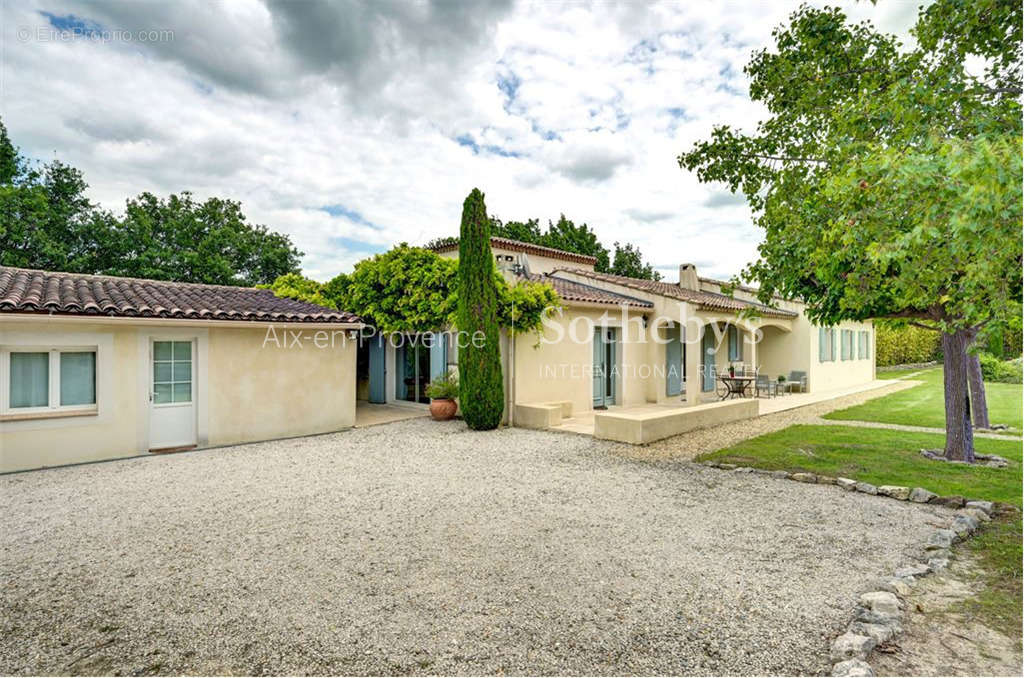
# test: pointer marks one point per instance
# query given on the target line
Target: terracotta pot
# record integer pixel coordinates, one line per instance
(443, 409)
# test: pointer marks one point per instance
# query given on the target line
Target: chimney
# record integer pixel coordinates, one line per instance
(688, 277)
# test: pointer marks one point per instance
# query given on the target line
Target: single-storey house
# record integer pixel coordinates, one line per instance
(99, 367)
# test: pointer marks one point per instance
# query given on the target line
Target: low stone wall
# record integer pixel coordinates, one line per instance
(644, 427)
(908, 366)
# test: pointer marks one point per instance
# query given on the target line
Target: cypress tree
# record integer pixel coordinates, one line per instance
(481, 390)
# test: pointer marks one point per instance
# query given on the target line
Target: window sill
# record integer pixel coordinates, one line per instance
(55, 414)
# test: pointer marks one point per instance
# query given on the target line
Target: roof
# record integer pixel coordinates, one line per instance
(711, 301)
(520, 246)
(29, 291)
(570, 291)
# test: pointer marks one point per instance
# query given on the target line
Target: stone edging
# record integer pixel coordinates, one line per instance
(877, 617)
(906, 366)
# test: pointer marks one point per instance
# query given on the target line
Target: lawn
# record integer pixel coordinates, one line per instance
(923, 405)
(887, 457)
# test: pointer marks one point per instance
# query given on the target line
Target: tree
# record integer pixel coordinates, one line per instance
(523, 231)
(628, 261)
(481, 389)
(412, 290)
(47, 222)
(565, 235)
(877, 175)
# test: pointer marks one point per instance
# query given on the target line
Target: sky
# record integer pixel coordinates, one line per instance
(355, 126)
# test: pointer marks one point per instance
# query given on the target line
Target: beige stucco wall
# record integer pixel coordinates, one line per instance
(841, 373)
(260, 392)
(246, 391)
(552, 367)
(109, 433)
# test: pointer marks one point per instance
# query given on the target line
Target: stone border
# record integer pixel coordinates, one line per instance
(905, 366)
(877, 616)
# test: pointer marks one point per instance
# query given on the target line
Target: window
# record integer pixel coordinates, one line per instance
(734, 343)
(826, 344)
(846, 339)
(172, 372)
(41, 380)
(864, 344)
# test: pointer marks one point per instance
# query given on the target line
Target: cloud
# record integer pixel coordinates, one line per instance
(352, 126)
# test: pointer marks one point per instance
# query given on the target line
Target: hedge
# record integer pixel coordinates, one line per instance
(906, 345)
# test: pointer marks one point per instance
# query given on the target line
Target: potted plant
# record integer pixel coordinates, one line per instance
(443, 391)
(732, 370)
(782, 379)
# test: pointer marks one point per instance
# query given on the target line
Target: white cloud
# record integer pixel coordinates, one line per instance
(339, 123)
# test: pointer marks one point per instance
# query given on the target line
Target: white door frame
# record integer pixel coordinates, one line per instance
(200, 383)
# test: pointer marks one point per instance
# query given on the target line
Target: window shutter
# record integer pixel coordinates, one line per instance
(734, 353)
(832, 344)
(821, 344)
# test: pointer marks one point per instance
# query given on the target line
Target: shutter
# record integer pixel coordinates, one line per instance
(673, 362)
(438, 365)
(821, 345)
(832, 344)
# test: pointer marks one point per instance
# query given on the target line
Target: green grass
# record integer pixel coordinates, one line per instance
(881, 457)
(887, 457)
(923, 405)
(998, 551)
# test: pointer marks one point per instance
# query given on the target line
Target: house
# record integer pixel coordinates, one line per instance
(100, 367)
(625, 342)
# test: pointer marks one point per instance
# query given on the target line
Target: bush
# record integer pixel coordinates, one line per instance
(444, 387)
(906, 345)
(482, 389)
(1002, 371)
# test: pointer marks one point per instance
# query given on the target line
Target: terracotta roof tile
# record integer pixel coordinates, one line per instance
(30, 291)
(570, 291)
(704, 300)
(519, 246)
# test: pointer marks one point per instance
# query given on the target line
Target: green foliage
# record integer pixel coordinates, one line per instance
(628, 261)
(566, 235)
(524, 304)
(482, 387)
(444, 387)
(47, 222)
(1001, 371)
(523, 231)
(884, 177)
(904, 345)
(296, 286)
(406, 289)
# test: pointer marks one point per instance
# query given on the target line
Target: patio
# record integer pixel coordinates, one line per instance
(585, 422)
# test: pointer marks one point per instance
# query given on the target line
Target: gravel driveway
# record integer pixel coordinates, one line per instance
(422, 547)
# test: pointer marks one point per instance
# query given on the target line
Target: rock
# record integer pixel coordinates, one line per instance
(866, 488)
(781, 475)
(826, 480)
(918, 570)
(763, 472)
(805, 477)
(709, 463)
(998, 427)
(978, 515)
(935, 455)
(921, 495)
(963, 525)
(863, 614)
(938, 564)
(950, 501)
(940, 539)
(895, 492)
(743, 469)
(900, 586)
(852, 667)
(852, 646)
(938, 553)
(727, 467)
(986, 506)
(847, 484)
(880, 633)
(881, 603)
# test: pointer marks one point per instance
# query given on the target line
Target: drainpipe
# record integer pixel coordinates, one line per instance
(512, 378)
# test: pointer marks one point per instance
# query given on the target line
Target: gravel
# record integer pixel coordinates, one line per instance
(422, 547)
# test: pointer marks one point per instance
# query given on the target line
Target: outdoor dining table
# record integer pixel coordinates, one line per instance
(735, 386)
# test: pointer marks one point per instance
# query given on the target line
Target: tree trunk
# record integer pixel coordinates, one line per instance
(959, 433)
(979, 406)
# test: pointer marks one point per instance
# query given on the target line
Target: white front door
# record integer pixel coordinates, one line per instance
(172, 401)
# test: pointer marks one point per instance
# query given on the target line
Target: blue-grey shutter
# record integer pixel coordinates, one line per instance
(707, 360)
(734, 352)
(438, 364)
(598, 367)
(673, 362)
(377, 373)
(821, 345)
(832, 344)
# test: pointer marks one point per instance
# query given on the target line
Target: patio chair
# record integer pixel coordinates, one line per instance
(797, 379)
(765, 384)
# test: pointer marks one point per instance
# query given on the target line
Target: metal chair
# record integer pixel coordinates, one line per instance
(797, 379)
(764, 384)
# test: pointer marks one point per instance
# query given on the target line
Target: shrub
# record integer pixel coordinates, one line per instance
(444, 386)
(482, 390)
(906, 345)
(1002, 371)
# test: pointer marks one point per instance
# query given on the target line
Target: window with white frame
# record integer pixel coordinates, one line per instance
(39, 380)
